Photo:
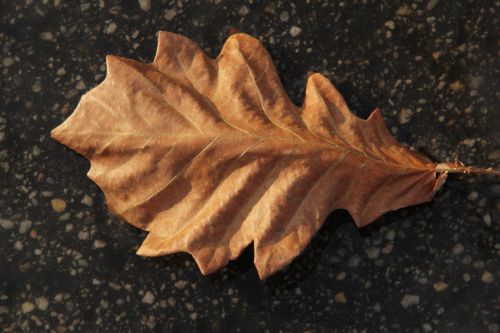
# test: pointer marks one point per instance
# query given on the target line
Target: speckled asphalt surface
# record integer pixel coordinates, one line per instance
(431, 66)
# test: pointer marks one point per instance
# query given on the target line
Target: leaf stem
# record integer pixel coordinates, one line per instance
(458, 167)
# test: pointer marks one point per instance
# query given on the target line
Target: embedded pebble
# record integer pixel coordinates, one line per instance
(431, 4)
(145, 5)
(87, 200)
(403, 11)
(7, 62)
(409, 300)
(148, 298)
(372, 252)
(170, 14)
(456, 86)
(440, 286)
(487, 277)
(36, 87)
(6, 224)
(27, 307)
(111, 28)
(487, 219)
(243, 10)
(58, 205)
(83, 235)
(340, 297)
(18, 245)
(47, 36)
(295, 31)
(181, 284)
(24, 226)
(284, 16)
(472, 196)
(390, 25)
(405, 115)
(98, 244)
(42, 303)
(457, 249)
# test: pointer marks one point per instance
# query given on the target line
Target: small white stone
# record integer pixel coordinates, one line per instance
(426, 327)
(83, 235)
(405, 115)
(284, 16)
(98, 244)
(181, 284)
(440, 286)
(24, 226)
(487, 277)
(87, 200)
(111, 28)
(145, 5)
(58, 205)
(7, 62)
(243, 10)
(85, 6)
(36, 151)
(61, 71)
(42, 303)
(47, 36)
(390, 25)
(403, 11)
(80, 85)
(469, 142)
(36, 87)
(6, 224)
(148, 298)
(431, 4)
(295, 31)
(340, 297)
(473, 196)
(487, 219)
(170, 14)
(27, 307)
(18, 245)
(409, 300)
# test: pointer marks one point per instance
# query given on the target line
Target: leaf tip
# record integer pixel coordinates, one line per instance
(56, 133)
(141, 252)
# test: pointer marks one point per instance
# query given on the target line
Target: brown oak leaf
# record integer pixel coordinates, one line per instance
(209, 156)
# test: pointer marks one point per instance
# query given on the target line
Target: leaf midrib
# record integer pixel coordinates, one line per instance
(206, 136)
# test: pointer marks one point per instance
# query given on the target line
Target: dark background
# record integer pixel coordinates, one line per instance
(431, 66)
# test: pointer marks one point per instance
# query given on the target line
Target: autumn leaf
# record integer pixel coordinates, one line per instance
(209, 156)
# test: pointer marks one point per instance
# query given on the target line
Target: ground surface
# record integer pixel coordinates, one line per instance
(431, 66)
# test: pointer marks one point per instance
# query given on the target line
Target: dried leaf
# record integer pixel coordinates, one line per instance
(209, 156)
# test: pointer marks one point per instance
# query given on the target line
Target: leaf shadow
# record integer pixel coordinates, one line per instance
(301, 267)
(337, 231)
